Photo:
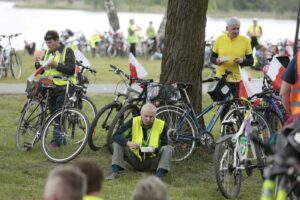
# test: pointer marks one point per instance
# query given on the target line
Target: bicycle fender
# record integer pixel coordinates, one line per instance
(226, 137)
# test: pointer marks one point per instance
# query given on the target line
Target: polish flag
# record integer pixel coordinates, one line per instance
(40, 69)
(248, 86)
(136, 69)
(275, 71)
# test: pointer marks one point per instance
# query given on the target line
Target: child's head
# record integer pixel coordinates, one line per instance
(93, 173)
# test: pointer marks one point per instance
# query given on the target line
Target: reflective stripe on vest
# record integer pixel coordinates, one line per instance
(52, 72)
(137, 134)
(295, 90)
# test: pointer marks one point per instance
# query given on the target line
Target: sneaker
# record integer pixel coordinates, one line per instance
(113, 176)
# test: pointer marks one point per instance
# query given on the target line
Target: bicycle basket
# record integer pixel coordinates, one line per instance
(34, 88)
(167, 94)
(218, 90)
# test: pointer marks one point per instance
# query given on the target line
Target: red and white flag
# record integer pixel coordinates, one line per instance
(40, 69)
(275, 72)
(136, 69)
(248, 86)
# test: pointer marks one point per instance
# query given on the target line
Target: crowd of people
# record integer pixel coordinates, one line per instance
(143, 141)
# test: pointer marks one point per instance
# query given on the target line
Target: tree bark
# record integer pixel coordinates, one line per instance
(112, 14)
(183, 54)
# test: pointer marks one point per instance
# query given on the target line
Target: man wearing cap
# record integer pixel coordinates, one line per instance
(63, 63)
(254, 32)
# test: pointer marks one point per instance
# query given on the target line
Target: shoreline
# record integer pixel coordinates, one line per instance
(156, 9)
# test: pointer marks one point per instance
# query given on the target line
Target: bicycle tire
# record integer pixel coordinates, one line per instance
(272, 118)
(184, 146)
(29, 126)
(237, 115)
(126, 113)
(15, 65)
(88, 108)
(101, 124)
(228, 179)
(67, 146)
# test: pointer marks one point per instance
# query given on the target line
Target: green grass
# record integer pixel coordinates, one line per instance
(101, 65)
(23, 174)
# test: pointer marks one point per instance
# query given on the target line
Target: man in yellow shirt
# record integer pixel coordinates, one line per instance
(230, 51)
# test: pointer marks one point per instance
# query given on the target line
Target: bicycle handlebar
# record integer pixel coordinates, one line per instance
(83, 67)
(117, 70)
(11, 36)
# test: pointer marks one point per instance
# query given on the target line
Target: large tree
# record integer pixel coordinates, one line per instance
(183, 53)
(112, 14)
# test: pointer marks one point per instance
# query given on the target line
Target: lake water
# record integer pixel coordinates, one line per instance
(33, 23)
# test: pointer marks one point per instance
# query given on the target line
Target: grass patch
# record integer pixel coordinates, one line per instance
(101, 65)
(23, 174)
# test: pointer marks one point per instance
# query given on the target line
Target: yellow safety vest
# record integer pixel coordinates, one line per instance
(295, 91)
(52, 72)
(90, 197)
(132, 38)
(150, 32)
(153, 139)
(93, 39)
(257, 30)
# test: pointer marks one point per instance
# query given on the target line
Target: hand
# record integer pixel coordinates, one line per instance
(133, 145)
(238, 60)
(52, 64)
(37, 59)
(218, 61)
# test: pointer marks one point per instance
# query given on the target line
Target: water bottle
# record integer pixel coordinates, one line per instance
(243, 145)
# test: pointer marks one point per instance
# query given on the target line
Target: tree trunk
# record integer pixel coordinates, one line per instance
(183, 53)
(112, 14)
(162, 28)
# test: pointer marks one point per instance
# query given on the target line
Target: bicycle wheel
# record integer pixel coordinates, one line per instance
(29, 126)
(15, 65)
(65, 135)
(234, 118)
(183, 140)
(272, 117)
(228, 178)
(101, 124)
(88, 107)
(124, 115)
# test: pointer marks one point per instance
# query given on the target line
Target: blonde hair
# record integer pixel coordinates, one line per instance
(150, 188)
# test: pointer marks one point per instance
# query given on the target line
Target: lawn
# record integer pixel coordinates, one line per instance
(101, 65)
(23, 174)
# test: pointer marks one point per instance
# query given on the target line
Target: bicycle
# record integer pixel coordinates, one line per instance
(102, 121)
(81, 101)
(68, 125)
(235, 152)
(184, 125)
(9, 59)
(268, 105)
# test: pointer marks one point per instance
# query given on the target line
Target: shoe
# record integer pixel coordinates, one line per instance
(53, 146)
(113, 176)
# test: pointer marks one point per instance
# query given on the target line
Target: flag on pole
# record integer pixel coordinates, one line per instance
(40, 69)
(275, 71)
(136, 69)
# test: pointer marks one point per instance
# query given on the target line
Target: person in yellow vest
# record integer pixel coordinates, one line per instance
(94, 40)
(95, 178)
(151, 36)
(133, 38)
(255, 32)
(62, 64)
(290, 87)
(230, 51)
(143, 143)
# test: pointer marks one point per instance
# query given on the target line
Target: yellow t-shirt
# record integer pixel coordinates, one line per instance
(237, 47)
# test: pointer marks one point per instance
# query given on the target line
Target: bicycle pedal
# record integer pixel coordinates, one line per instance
(27, 146)
(248, 167)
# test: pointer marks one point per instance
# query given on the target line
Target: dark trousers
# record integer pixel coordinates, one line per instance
(132, 49)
